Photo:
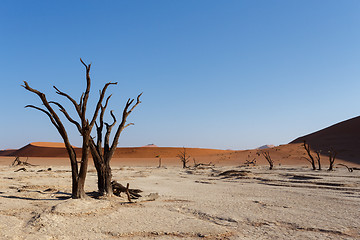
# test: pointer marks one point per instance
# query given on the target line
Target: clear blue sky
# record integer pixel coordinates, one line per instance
(217, 74)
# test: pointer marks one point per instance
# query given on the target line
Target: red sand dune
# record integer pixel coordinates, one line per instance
(54, 150)
(343, 137)
(7, 152)
(289, 154)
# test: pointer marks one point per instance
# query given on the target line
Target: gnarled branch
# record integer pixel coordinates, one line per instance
(76, 105)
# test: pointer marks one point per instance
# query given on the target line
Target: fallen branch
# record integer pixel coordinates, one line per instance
(348, 168)
(18, 162)
(119, 188)
(203, 165)
(21, 169)
(249, 162)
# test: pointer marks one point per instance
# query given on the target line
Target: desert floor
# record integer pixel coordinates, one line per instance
(289, 202)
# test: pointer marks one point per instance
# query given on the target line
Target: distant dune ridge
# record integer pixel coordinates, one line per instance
(150, 145)
(57, 150)
(266, 146)
(343, 137)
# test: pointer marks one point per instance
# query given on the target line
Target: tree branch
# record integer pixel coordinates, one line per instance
(137, 103)
(99, 103)
(87, 91)
(108, 131)
(76, 105)
(62, 109)
(123, 121)
(57, 123)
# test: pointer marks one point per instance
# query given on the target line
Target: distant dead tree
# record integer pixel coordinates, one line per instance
(310, 159)
(318, 152)
(184, 157)
(332, 156)
(159, 157)
(267, 156)
(84, 126)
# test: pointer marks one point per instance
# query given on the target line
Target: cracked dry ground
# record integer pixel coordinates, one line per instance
(252, 203)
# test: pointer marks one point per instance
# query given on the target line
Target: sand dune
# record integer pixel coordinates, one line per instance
(289, 154)
(343, 137)
(145, 156)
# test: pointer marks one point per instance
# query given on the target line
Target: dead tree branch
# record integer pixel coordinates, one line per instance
(250, 162)
(348, 168)
(18, 162)
(119, 188)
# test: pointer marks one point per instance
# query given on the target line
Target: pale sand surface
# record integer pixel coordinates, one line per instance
(290, 202)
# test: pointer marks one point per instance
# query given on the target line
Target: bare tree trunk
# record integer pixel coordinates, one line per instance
(332, 156)
(266, 155)
(318, 158)
(311, 159)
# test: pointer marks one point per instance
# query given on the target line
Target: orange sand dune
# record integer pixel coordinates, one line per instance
(57, 150)
(48, 144)
(289, 154)
(343, 137)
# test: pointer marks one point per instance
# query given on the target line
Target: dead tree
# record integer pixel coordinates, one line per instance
(332, 156)
(103, 153)
(84, 126)
(184, 157)
(318, 152)
(266, 155)
(159, 157)
(310, 159)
